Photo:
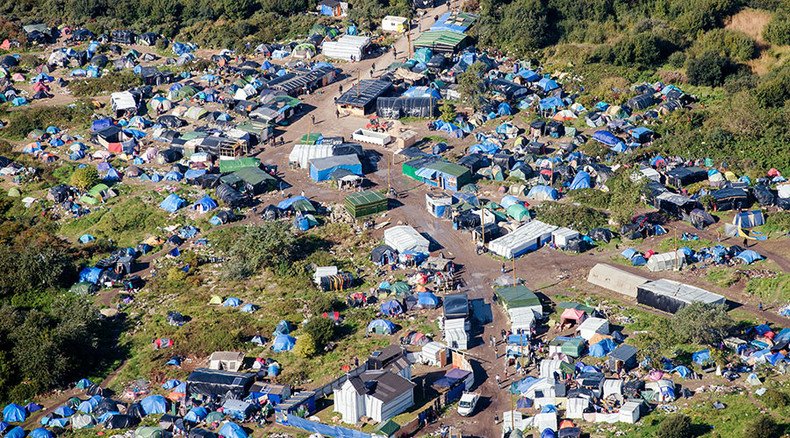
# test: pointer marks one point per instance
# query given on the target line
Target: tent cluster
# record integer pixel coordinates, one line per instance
(683, 256)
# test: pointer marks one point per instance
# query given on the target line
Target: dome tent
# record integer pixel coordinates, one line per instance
(283, 343)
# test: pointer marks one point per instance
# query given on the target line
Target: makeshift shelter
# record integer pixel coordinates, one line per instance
(172, 203)
(283, 343)
(441, 41)
(527, 238)
(404, 238)
(593, 326)
(321, 169)
(623, 358)
(361, 204)
(154, 404)
(381, 327)
(543, 193)
(13, 413)
(674, 260)
(615, 279)
(361, 98)
(671, 296)
(347, 47)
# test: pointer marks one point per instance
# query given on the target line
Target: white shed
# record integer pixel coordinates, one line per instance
(323, 271)
(615, 279)
(392, 23)
(612, 387)
(545, 421)
(379, 395)
(123, 101)
(226, 360)
(592, 326)
(405, 238)
(434, 354)
(529, 237)
(522, 320)
(455, 333)
(630, 412)
(574, 407)
(562, 235)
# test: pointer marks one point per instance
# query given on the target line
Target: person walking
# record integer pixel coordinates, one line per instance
(498, 380)
(312, 118)
(503, 268)
(337, 113)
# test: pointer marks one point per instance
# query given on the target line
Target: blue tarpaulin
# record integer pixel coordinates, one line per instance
(602, 348)
(701, 357)
(14, 413)
(749, 256)
(154, 404)
(580, 181)
(548, 84)
(610, 140)
(283, 343)
(232, 430)
(319, 428)
(90, 275)
(172, 203)
(391, 308)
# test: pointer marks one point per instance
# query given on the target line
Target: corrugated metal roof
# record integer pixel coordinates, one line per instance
(683, 292)
(364, 92)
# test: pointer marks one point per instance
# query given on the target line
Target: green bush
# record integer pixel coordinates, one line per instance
(85, 177)
(774, 399)
(677, 59)
(675, 426)
(709, 69)
(269, 245)
(108, 83)
(777, 31)
(21, 122)
(763, 426)
(727, 43)
(305, 346)
(577, 217)
(321, 329)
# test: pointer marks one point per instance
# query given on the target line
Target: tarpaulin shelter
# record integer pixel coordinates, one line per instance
(172, 203)
(543, 193)
(580, 181)
(13, 413)
(391, 308)
(283, 343)
(612, 141)
(232, 430)
(154, 404)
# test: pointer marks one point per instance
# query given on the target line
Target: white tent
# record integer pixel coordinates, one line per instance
(301, 154)
(526, 238)
(548, 367)
(630, 412)
(666, 261)
(615, 279)
(592, 326)
(347, 47)
(404, 238)
(123, 101)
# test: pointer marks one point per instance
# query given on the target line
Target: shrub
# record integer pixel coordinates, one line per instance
(112, 82)
(84, 177)
(728, 43)
(21, 122)
(305, 346)
(578, 217)
(675, 426)
(702, 323)
(321, 329)
(709, 69)
(447, 111)
(763, 426)
(269, 245)
(777, 31)
(677, 59)
(774, 398)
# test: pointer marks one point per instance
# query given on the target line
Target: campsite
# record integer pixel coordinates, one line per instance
(343, 218)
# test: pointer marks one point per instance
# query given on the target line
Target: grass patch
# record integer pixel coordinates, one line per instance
(722, 276)
(126, 222)
(105, 84)
(673, 243)
(21, 122)
(773, 290)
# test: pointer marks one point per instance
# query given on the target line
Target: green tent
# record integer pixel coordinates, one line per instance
(389, 428)
(215, 299)
(400, 288)
(259, 180)
(88, 199)
(365, 203)
(515, 297)
(83, 288)
(518, 212)
(148, 432)
(97, 190)
(313, 138)
(215, 416)
(14, 192)
(573, 347)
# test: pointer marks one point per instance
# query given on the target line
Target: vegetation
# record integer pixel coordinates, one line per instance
(84, 177)
(471, 85)
(771, 289)
(447, 110)
(269, 245)
(675, 426)
(698, 323)
(778, 29)
(577, 217)
(764, 426)
(21, 122)
(322, 330)
(109, 83)
(305, 346)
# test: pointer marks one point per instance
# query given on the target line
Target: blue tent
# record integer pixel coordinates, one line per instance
(16, 432)
(33, 407)
(580, 181)
(681, 370)
(504, 109)
(14, 413)
(101, 124)
(193, 174)
(381, 326)
(548, 84)
(232, 430)
(775, 358)
(602, 348)
(111, 175)
(172, 203)
(40, 432)
(282, 328)
(391, 308)
(170, 384)
(427, 299)
(154, 404)
(63, 411)
(548, 433)
(87, 406)
(4, 426)
(485, 147)
(634, 256)
(231, 302)
(174, 361)
(283, 343)
(205, 204)
(542, 192)
(523, 385)
(701, 357)
(529, 75)
(249, 308)
(749, 256)
(87, 238)
(174, 176)
(550, 104)
(287, 203)
(608, 139)
(196, 414)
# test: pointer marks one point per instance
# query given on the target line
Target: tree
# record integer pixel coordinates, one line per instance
(763, 426)
(85, 177)
(448, 111)
(702, 323)
(305, 346)
(709, 69)
(471, 85)
(524, 26)
(238, 9)
(268, 245)
(321, 329)
(675, 426)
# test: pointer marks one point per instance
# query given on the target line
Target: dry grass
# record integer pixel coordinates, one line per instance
(751, 22)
